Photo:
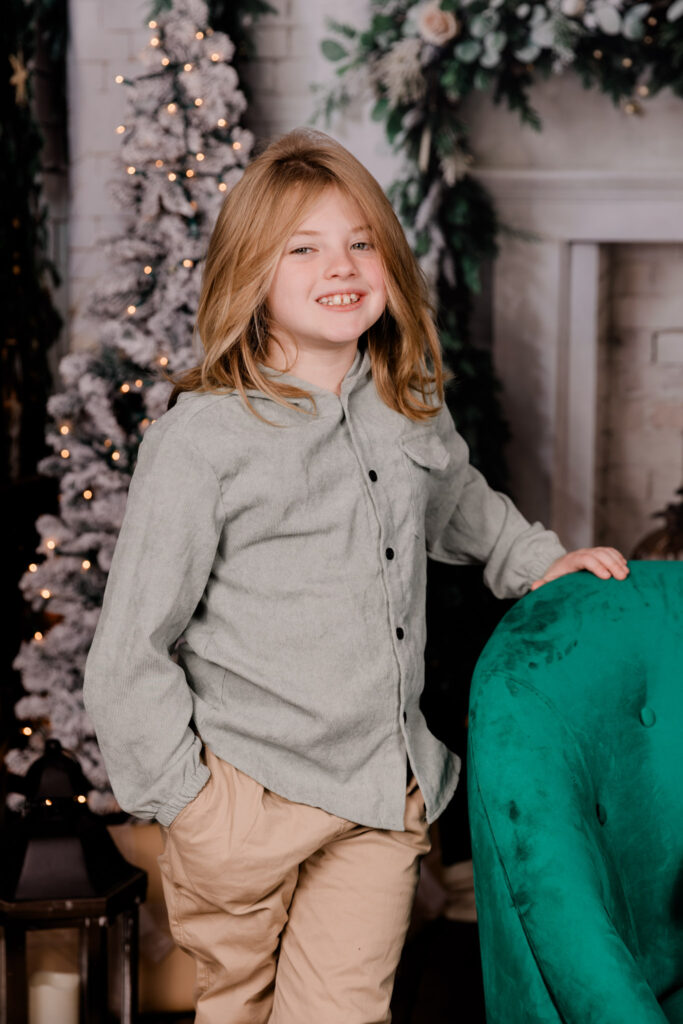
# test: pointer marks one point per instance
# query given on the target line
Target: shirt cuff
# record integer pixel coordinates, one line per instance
(170, 810)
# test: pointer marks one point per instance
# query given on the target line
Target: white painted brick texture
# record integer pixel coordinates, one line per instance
(641, 392)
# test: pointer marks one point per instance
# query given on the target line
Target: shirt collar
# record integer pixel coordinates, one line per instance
(356, 374)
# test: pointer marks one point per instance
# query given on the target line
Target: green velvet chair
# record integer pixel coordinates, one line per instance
(575, 786)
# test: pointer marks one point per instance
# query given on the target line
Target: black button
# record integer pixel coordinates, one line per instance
(372, 475)
(399, 633)
(405, 717)
(389, 553)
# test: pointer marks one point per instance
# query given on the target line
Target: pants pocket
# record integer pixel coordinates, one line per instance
(203, 838)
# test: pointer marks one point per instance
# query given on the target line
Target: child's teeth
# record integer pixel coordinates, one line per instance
(339, 300)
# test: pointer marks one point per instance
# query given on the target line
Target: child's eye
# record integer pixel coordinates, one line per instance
(367, 245)
(302, 248)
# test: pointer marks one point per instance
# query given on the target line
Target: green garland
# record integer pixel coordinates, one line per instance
(420, 61)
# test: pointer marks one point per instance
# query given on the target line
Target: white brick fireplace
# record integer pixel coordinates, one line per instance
(587, 309)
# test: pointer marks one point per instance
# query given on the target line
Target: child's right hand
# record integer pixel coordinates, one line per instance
(602, 562)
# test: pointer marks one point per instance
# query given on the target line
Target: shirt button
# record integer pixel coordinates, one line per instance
(405, 717)
(389, 553)
(399, 633)
(372, 475)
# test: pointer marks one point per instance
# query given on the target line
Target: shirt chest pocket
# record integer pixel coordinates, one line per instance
(424, 457)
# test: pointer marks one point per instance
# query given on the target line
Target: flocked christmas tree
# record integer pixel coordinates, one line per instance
(183, 149)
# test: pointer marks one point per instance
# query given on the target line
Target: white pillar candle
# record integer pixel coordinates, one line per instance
(53, 998)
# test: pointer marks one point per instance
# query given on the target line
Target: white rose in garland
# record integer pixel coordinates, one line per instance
(435, 25)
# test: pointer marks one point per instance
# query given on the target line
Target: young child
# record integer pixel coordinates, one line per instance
(256, 672)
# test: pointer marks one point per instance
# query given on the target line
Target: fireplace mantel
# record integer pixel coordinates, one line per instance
(547, 318)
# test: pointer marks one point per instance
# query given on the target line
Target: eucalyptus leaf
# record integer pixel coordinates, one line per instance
(608, 19)
(634, 26)
(483, 23)
(494, 42)
(490, 59)
(332, 50)
(468, 51)
(527, 54)
(538, 14)
(543, 34)
(481, 79)
(675, 11)
(379, 110)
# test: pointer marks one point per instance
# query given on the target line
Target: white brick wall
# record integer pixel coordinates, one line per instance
(106, 39)
(641, 392)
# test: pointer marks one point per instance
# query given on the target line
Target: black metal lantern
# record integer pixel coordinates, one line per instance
(60, 868)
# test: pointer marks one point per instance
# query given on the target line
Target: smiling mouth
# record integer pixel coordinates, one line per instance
(340, 300)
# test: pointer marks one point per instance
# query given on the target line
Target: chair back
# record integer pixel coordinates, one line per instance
(575, 785)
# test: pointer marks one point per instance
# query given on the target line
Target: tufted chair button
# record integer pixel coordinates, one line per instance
(647, 717)
(601, 813)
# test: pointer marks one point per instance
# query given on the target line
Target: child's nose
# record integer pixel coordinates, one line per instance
(341, 264)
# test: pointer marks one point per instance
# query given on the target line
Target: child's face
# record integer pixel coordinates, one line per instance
(329, 282)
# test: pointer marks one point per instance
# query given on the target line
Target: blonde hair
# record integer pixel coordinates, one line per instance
(259, 215)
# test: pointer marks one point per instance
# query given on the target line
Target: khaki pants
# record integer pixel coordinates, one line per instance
(293, 915)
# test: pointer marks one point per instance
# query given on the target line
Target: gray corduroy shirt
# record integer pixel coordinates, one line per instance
(268, 585)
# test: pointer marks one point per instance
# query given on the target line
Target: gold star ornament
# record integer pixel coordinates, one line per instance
(19, 77)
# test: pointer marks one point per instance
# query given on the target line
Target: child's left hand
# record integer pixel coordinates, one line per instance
(603, 562)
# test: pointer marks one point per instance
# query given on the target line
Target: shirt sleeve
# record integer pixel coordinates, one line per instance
(483, 525)
(136, 695)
